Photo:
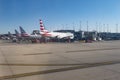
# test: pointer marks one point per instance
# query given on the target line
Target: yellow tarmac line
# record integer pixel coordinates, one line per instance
(93, 50)
(58, 70)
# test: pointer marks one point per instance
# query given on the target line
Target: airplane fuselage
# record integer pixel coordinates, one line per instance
(59, 35)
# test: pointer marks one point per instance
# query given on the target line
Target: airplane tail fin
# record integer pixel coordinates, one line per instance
(42, 28)
(9, 34)
(17, 33)
(23, 32)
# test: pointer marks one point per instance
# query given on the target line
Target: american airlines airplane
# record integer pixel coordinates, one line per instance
(59, 35)
(25, 35)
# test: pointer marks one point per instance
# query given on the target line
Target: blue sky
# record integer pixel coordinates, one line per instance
(59, 14)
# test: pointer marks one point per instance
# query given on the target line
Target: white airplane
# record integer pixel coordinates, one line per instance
(25, 35)
(59, 35)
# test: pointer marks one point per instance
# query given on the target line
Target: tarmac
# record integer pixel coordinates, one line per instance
(60, 61)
